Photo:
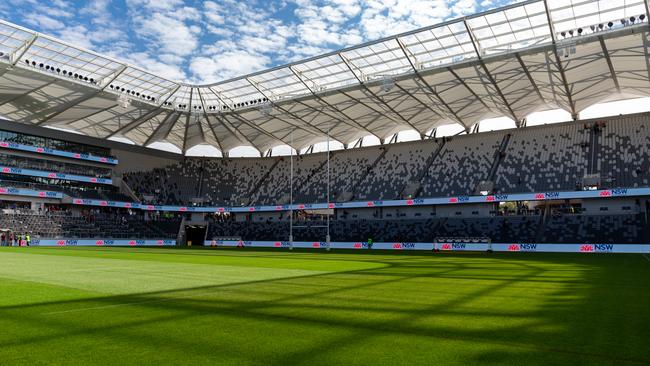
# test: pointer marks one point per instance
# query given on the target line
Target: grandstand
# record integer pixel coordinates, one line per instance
(521, 185)
(387, 250)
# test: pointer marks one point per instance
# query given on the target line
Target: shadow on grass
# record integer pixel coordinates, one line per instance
(468, 308)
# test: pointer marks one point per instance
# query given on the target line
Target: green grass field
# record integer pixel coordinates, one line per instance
(160, 306)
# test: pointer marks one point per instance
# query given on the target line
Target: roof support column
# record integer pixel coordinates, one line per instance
(351, 67)
(349, 121)
(609, 63)
(551, 27)
(487, 71)
(427, 85)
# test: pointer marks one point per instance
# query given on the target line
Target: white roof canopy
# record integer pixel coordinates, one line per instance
(509, 62)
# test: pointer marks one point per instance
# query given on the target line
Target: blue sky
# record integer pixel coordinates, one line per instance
(209, 41)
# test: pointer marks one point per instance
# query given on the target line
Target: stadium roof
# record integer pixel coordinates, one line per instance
(511, 61)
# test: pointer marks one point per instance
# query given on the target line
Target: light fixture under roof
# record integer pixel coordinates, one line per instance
(124, 101)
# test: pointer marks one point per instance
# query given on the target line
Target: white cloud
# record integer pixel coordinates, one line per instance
(227, 65)
(152, 64)
(155, 4)
(77, 35)
(171, 34)
(212, 12)
(216, 39)
(98, 10)
(44, 22)
(465, 7)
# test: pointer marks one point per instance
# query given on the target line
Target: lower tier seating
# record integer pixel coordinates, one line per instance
(63, 225)
(501, 229)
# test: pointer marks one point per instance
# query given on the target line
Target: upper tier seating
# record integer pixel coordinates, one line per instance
(544, 159)
(535, 159)
(463, 163)
(71, 188)
(401, 164)
(625, 152)
(53, 166)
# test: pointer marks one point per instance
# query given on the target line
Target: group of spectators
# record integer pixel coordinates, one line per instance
(9, 239)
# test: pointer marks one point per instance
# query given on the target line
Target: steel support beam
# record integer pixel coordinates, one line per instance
(487, 71)
(350, 121)
(350, 66)
(77, 101)
(612, 72)
(25, 47)
(13, 99)
(427, 85)
(278, 106)
(255, 127)
(530, 77)
(567, 90)
(205, 114)
(168, 122)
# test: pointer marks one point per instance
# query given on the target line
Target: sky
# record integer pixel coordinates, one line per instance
(211, 41)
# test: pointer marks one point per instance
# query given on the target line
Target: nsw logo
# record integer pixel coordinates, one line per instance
(605, 193)
(604, 248)
(528, 247)
(586, 248)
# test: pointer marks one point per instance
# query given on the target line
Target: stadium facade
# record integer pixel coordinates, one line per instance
(574, 186)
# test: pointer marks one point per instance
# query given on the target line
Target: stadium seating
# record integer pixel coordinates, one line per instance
(72, 189)
(594, 229)
(544, 159)
(535, 159)
(106, 226)
(401, 164)
(625, 153)
(53, 166)
(499, 229)
(463, 163)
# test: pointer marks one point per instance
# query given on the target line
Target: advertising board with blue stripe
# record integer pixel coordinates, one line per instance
(30, 193)
(442, 247)
(102, 242)
(606, 193)
(65, 154)
(572, 248)
(456, 247)
(54, 175)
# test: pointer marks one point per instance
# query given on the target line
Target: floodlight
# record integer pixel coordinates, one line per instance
(387, 84)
